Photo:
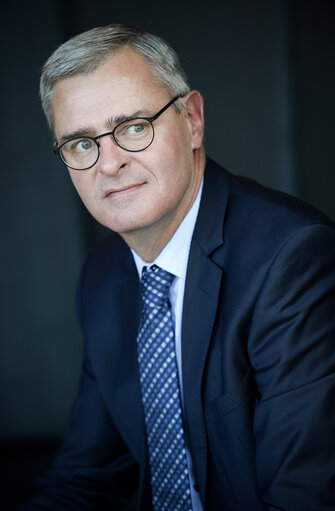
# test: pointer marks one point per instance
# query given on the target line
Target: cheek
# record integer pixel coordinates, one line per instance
(172, 157)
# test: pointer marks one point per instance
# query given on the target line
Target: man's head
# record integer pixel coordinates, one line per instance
(143, 194)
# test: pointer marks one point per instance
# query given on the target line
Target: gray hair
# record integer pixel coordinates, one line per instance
(85, 52)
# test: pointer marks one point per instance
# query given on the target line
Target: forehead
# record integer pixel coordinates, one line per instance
(124, 83)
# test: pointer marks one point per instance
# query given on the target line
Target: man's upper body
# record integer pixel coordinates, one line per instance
(257, 323)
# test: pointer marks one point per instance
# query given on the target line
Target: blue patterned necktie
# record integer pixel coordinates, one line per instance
(161, 396)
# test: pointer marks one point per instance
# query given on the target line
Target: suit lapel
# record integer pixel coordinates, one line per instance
(202, 289)
(115, 352)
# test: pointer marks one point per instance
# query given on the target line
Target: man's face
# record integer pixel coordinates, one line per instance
(136, 194)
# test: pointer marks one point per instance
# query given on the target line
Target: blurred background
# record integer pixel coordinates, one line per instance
(266, 70)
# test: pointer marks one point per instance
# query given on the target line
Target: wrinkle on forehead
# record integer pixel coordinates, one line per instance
(123, 87)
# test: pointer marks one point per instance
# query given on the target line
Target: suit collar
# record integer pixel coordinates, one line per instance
(209, 232)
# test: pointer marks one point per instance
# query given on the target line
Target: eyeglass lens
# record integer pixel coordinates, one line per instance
(82, 153)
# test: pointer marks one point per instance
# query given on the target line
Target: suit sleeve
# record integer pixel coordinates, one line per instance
(292, 350)
(94, 469)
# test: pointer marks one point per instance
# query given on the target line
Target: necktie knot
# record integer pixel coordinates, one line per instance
(155, 286)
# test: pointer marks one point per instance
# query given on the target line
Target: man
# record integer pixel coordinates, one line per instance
(245, 280)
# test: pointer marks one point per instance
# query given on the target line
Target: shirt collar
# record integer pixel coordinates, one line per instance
(173, 258)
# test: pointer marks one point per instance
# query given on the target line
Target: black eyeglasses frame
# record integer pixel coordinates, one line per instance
(58, 149)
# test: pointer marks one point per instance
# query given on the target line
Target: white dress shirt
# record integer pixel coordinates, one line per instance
(174, 258)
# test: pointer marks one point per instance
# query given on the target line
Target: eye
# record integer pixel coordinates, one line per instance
(82, 145)
(135, 129)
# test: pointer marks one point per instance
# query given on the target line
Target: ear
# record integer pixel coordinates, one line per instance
(195, 112)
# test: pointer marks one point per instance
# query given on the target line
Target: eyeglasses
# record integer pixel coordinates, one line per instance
(133, 135)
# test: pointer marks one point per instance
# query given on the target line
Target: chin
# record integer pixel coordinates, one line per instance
(132, 222)
(121, 227)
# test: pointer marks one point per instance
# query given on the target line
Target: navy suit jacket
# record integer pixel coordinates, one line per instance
(258, 356)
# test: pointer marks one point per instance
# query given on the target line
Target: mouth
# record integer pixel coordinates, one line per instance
(114, 192)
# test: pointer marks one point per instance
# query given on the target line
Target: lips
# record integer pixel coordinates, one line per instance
(123, 189)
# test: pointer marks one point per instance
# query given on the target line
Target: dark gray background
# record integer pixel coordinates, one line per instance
(266, 70)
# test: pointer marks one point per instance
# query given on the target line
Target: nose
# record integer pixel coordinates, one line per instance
(112, 157)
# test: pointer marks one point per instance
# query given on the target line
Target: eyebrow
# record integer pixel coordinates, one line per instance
(81, 132)
(111, 123)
